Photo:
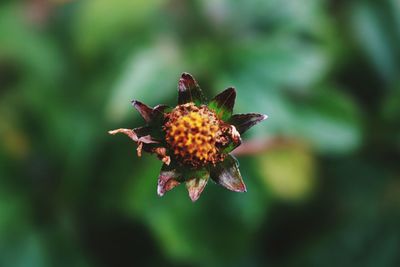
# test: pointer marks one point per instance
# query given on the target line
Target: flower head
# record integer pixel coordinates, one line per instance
(194, 138)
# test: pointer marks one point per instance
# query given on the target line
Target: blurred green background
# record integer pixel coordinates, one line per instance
(323, 189)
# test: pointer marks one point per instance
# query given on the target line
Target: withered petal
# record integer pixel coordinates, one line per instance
(168, 179)
(140, 134)
(189, 90)
(243, 122)
(228, 175)
(129, 132)
(145, 111)
(223, 103)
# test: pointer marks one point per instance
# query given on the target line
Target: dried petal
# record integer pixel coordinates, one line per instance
(137, 134)
(169, 178)
(139, 149)
(162, 154)
(189, 90)
(228, 175)
(143, 141)
(144, 110)
(223, 104)
(243, 122)
(129, 132)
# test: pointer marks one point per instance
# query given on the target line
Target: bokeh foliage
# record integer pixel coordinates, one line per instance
(325, 191)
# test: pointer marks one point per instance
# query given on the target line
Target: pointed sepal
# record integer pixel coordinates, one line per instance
(152, 116)
(223, 103)
(195, 187)
(243, 122)
(189, 90)
(196, 182)
(144, 110)
(227, 174)
(169, 178)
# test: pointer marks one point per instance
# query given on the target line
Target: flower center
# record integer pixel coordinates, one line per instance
(193, 133)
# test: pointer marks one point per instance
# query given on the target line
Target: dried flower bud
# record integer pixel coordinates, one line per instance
(194, 139)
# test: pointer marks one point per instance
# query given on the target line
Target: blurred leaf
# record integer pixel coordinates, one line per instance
(373, 28)
(150, 76)
(391, 117)
(26, 251)
(184, 228)
(281, 61)
(331, 122)
(13, 212)
(328, 118)
(69, 70)
(100, 23)
(33, 51)
(394, 6)
(287, 15)
(289, 172)
(360, 220)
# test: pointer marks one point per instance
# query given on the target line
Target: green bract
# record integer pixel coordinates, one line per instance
(194, 139)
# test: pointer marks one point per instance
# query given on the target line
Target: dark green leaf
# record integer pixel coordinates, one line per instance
(223, 103)
(189, 90)
(228, 175)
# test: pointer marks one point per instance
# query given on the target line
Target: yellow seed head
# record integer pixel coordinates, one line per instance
(193, 134)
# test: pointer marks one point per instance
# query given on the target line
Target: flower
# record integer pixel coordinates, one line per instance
(194, 138)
